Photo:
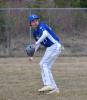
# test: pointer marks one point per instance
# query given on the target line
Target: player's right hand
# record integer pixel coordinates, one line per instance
(30, 59)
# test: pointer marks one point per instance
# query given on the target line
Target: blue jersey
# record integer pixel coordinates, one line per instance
(48, 41)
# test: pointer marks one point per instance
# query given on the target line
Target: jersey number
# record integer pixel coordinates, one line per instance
(44, 41)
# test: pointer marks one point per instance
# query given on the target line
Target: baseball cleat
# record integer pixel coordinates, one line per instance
(54, 91)
(46, 88)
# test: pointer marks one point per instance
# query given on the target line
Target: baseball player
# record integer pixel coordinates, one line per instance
(44, 35)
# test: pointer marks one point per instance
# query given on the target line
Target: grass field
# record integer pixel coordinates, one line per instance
(20, 80)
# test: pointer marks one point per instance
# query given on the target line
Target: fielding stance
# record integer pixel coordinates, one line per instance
(45, 36)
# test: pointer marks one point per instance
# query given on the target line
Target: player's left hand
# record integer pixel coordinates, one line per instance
(30, 50)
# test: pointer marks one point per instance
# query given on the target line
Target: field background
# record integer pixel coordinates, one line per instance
(69, 24)
(20, 80)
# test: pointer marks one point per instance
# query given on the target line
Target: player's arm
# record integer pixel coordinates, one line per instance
(37, 44)
(44, 35)
(37, 47)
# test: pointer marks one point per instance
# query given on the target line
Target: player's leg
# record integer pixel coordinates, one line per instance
(43, 76)
(46, 62)
(51, 62)
(45, 69)
(45, 73)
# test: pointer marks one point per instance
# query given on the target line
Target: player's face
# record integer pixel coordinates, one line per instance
(34, 23)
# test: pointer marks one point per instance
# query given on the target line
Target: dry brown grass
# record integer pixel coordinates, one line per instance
(19, 80)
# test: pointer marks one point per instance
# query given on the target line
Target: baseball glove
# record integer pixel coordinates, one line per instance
(30, 49)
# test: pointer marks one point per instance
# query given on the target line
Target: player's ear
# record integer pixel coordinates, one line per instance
(39, 19)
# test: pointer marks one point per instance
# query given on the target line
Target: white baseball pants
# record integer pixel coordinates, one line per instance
(46, 63)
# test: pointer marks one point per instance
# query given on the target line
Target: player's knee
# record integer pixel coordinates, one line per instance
(43, 65)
